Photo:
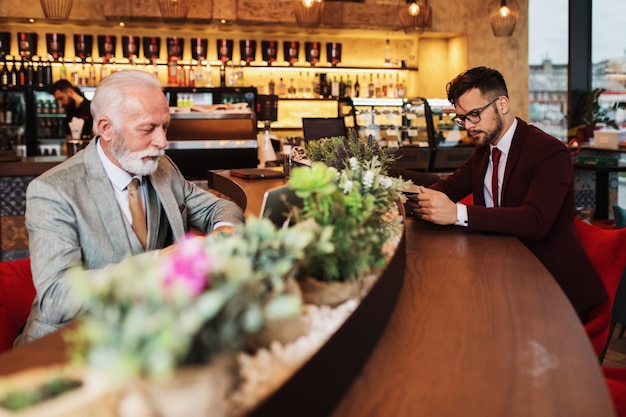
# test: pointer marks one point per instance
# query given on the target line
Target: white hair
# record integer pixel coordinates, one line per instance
(110, 98)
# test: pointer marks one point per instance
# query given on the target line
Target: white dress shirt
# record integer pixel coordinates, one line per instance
(505, 146)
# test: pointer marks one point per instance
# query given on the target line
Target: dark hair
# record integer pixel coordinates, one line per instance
(487, 80)
(60, 85)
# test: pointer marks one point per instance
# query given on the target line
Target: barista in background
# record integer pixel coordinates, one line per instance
(75, 105)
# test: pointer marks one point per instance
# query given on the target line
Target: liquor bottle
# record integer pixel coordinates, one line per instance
(383, 87)
(222, 75)
(92, 75)
(75, 75)
(370, 87)
(342, 87)
(324, 86)
(391, 90)
(291, 90)
(30, 74)
(21, 74)
(334, 87)
(400, 90)
(281, 88)
(357, 87)
(62, 70)
(378, 87)
(308, 86)
(4, 75)
(271, 87)
(387, 53)
(300, 86)
(13, 76)
(348, 87)
(317, 86)
(192, 77)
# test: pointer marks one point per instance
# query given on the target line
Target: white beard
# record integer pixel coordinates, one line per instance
(133, 161)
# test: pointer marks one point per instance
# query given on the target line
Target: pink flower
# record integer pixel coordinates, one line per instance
(189, 265)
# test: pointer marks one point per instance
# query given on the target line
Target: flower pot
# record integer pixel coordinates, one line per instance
(334, 293)
(198, 391)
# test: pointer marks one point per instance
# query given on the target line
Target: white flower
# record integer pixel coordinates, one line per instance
(354, 163)
(347, 187)
(368, 179)
(386, 182)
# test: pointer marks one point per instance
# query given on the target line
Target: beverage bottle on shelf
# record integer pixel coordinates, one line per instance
(281, 88)
(308, 86)
(31, 76)
(300, 85)
(4, 75)
(317, 86)
(377, 87)
(324, 86)
(342, 87)
(192, 77)
(74, 74)
(400, 88)
(383, 87)
(271, 87)
(62, 70)
(172, 73)
(92, 75)
(370, 87)
(182, 76)
(357, 87)
(21, 74)
(391, 90)
(334, 87)
(347, 92)
(222, 75)
(13, 76)
(291, 90)
(387, 53)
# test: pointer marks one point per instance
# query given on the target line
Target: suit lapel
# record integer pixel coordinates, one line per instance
(99, 189)
(482, 155)
(515, 151)
(169, 202)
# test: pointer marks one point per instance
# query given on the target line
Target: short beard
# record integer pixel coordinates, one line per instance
(490, 136)
(133, 162)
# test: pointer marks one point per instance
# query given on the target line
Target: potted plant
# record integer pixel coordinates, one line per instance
(164, 331)
(592, 116)
(359, 204)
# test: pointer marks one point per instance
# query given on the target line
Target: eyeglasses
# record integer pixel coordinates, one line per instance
(473, 116)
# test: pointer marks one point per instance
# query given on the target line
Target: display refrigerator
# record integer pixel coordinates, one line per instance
(31, 123)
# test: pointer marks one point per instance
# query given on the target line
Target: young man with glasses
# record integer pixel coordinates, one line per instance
(522, 184)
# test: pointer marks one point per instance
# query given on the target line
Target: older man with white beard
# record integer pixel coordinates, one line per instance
(78, 214)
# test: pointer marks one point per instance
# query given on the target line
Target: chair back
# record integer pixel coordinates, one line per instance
(606, 249)
(16, 297)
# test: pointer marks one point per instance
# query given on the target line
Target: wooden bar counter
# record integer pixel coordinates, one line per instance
(480, 329)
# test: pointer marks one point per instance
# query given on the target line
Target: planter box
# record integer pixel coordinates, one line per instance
(608, 139)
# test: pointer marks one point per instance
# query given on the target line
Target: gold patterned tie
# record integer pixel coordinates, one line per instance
(137, 212)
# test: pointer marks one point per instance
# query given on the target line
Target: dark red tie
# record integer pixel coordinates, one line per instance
(495, 157)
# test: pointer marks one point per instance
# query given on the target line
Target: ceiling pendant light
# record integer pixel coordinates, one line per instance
(503, 15)
(309, 13)
(174, 10)
(56, 9)
(414, 15)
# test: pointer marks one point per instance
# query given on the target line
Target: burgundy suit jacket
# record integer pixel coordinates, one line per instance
(537, 206)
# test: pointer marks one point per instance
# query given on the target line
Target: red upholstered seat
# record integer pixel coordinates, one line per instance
(615, 379)
(16, 296)
(606, 249)
(467, 200)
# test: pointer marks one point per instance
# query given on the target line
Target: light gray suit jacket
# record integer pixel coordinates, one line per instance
(73, 219)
